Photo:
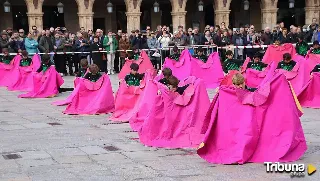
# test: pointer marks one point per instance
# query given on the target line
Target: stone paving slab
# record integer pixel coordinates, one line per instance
(74, 150)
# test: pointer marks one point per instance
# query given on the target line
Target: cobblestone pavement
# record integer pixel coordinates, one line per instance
(82, 148)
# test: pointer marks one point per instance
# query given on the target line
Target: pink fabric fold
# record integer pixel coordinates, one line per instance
(173, 125)
(182, 68)
(8, 72)
(45, 84)
(275, 53)
(144, 65)
(210, 72)
(312, 61)
(254, 77)
(309, 96)
(91, 97)
(269, 131)
(23, 76)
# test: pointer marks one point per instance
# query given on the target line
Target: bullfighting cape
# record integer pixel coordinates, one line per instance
(7, 71)
(264, 125)
(275, 53)
(182, 68)
(309, 96)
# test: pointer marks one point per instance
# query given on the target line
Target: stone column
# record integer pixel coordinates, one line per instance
(35, 19)
(222, 16)
(311, 12)
(268, 17)
(133, 21)
(178, 19)
(86, 20)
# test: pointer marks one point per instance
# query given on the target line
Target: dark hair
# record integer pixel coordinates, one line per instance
(200, 49)
(5, 50)
(316, 42)
(257, 55)
(167, 72)
(134, 67)
(175, 48)
(229, 52)
(84, 63)
(286, 56)
(94, 68)
(45, 57)
(173, 81)
(24, 53)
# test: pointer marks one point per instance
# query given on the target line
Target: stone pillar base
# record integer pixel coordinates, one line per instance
(35, 19)
(133, 21)
(222, 16)
(178, 19)
(311, 12)
(268, 17)
(86, 20)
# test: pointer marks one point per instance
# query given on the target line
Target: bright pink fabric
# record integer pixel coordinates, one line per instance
(7, 72)
(45, 84)
(23, 76)
(210, 72)
(310, 94)
(312, 61)
(182, 68)
(255, 77)
(266, 130)
(92, 97)
(144, 65)
(275, 53)
(176, 121)
(127, 97)
(227, 80)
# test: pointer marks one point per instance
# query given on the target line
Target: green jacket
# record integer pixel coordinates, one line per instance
(107, 47)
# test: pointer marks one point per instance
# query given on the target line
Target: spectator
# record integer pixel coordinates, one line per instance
(153, 44)
(35, 32)
(266, 38)
(43, 33)
(190, 37)
(21, 33)
(139, 40)
(110, 44)
(31, 45)
(178, 39)
(198, 38)
(9, 31)
(285, 38)
(239, 39)
(212, 32)
(4, 41)
(293, 36)
(80, 45)
(181, 33)
(17, 43)
(207, 37)
(68, 47)
(164, 39)
(59, 59)
(316, 35)
(124, 45)
(117, 54)
(96, 56)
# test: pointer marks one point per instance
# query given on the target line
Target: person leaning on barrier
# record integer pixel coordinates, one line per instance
(153, 44)
(124, 45)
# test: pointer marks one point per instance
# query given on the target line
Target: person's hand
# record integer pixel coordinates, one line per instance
(55, 47)
(100, 49)
(109, 43)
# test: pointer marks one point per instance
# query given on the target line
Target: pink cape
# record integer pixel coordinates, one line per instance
(310, 94)
(7, 72)
(92, 97)
(312, 61)
(182, 68)
(45, 84)
(144, 65)
(275, 53)
(210, 72)
(176, 121)
(260, 126)
(127, 97)
(255, 77)
(24, 75)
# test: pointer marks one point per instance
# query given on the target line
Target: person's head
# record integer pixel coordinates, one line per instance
(94, 69)
(99, 32)
(277, 42)
(4, 35)
(175, 49)
(30, 35)
(21, 32)
(119, 32)
(135, 50)
(223, 25)
(281, 24)
(284, 31)
(173, 83)
(216, 28)
(5, 51)
(190, 31)
(207, 33)
(225, 33)
(256, 58)
(167, 72)
(230, 31)
(90, 32)
(24, 54)
(9, 30)
(34, 28)
(316, 44)
(43, 32)
(152, 34)
(252, 27)
(299, 30)
(57, 35)
(82, 29)
(241, 30)
(84, 63)
(180, 28)
(196, 30)
(48, 32)
(267, 30)
(238, 81)
(79, 35)
(211, 29)
(134, 68)
(15, 34)
(200, 51)
(229, 54)
(286, 57)
(95, 39)
(45, 58)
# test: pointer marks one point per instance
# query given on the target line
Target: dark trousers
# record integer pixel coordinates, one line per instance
(116, 62)
(155, 60)
(69, 61)
(60, 62)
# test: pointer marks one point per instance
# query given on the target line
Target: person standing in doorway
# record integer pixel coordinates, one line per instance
(110, 44)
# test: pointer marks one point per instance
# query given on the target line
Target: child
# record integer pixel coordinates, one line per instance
(84, 67)
(315, 48)
(176, 55)
(287, 63)
(167, 73)
(256, 63)
(93, 74)
(135, 54)
(238, 82)
(6, 58)
(173, 83)
(134, 78)
(200, 55)
(46, 63)
(301, 46)
(25, 61)
(230, 63)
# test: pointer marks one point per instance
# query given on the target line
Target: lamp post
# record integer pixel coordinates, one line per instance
(156, 7)
(60, 7)
(110, 7)
(200, 6)
(246, 5)
(7, 7)
(291, 3)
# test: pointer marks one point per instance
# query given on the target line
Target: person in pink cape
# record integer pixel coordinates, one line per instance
(24, 73)
(181, 68)
(252, 133)
(141, 59)
(46, 81)
(208, 69)
(275, 52)
(147, 99)
(129, 93)
(255, 71)
(176, 118)
(8, 65)
(93, 94)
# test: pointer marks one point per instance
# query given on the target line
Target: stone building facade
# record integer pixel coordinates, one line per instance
(88, 9)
